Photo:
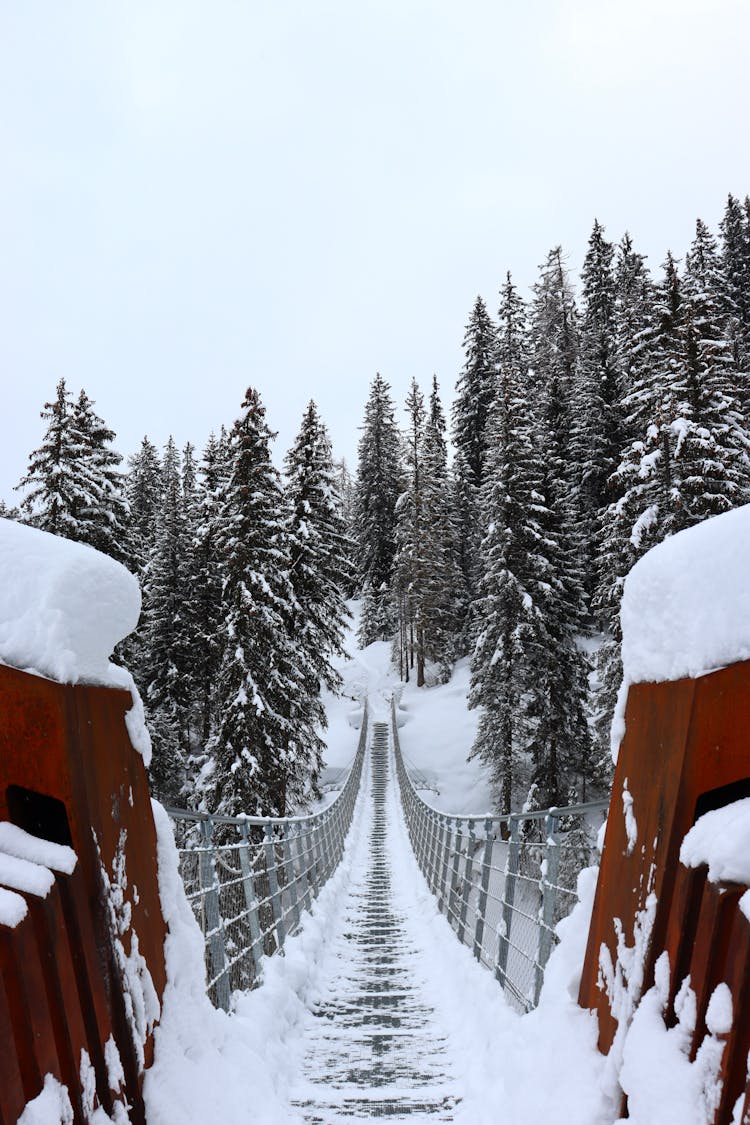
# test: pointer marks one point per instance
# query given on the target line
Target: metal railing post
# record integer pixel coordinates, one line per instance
(421, 830)
(550, 873)
(468, 881)
(453, 894)
(291, 878)
(303, 868)
(273, 884)
(432, 837)
(445, 848)
(210, 886)
(251, 900)
(509, 894)
(489, 843)
(327, 845)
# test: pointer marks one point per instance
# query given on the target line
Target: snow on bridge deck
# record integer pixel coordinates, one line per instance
(376, 1047)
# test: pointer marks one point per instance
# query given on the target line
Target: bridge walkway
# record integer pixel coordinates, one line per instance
(376, 1048)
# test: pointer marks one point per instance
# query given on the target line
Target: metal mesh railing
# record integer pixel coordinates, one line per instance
(248, 879)
(503, 882)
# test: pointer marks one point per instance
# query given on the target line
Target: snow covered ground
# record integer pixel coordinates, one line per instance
(436, 728)
(501, 1067)
(248, 1065)
(686, 610)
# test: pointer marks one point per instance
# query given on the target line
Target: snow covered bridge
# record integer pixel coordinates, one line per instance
(154, 992)
(378, 1037)
(503, 882)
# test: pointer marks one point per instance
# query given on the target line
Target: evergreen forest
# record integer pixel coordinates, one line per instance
(589, 422)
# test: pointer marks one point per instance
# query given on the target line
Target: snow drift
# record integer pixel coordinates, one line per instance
(63, 608)
(686, 607)
(686, 604)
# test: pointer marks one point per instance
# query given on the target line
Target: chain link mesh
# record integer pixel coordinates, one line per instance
(248, 879)
(503, 882)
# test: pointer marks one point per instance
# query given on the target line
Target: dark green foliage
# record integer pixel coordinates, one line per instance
(143, 489)
(164, 668)
(206, 586)
(475, 393)
(73, 486)
(266, 753)
(378, 487)
(319, 548)
(527, 673)
(735, 259)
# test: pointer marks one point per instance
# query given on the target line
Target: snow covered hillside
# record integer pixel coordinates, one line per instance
(437, 730)
(266, 1060)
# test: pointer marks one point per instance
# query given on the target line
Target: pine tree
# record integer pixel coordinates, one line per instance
(560, 744)
(632, 323)
(266, 751)
(717, 472)
(647, 483)
(103, 519)
(74, 488)
(597, 424)
(688, 461)
(410, 568)
(441, 593)
(553, 353)
(206, 585)
(346, 490)
(57, 490)
(512, 568)
(319, 548)
(475, 391)
(189, 479)
(735, 257)
(464, 504)
(167, 652)
(527, 672)
(143, 490)
(378, 487)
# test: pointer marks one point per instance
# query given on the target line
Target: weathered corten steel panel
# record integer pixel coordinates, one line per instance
(61, 990)
(683, 740)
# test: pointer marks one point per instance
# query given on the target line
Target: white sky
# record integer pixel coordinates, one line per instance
(196, 196)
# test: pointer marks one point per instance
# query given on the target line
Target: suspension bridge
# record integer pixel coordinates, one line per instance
(126, 938)
(375, 1045)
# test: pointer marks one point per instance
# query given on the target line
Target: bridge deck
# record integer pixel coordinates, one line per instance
(376, 1049)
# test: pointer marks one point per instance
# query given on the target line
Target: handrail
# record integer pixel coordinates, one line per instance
(503, 881)
(249, 883)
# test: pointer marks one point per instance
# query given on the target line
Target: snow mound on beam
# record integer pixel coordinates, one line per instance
(686, 604)
(63, 605)
(63, 608)
(721, 840)
(686, 607)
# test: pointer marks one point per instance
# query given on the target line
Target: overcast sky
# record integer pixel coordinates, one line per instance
(198, 196)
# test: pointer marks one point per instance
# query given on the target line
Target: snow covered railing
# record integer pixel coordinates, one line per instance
(503, 882)
(249, 878)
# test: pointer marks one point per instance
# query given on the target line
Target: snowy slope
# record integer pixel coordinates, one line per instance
(437, 729)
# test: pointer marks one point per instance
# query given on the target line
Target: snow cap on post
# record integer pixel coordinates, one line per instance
(63, 607)
(686, 607)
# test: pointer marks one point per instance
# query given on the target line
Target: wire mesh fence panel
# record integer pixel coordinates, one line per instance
(249, 879)
(503, 882)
